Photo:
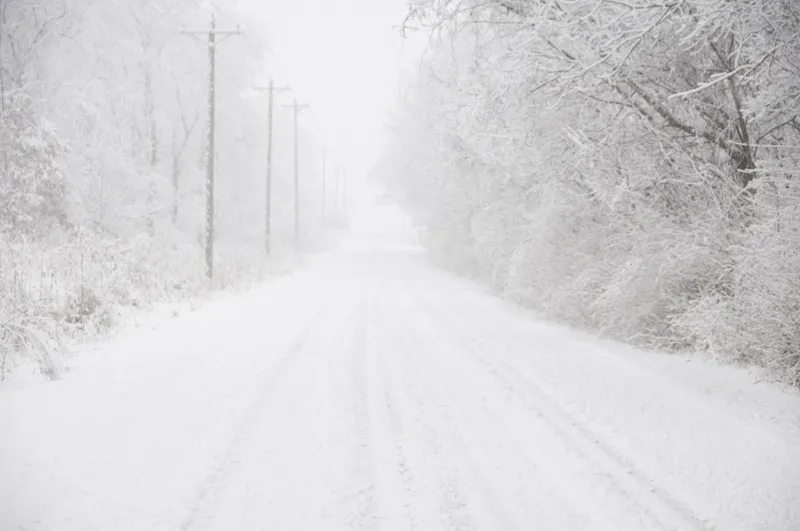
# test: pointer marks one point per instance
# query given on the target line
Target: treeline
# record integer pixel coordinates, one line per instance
(629, 167)
(103, 120)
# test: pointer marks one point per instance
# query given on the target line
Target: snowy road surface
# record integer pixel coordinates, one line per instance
(371, 391)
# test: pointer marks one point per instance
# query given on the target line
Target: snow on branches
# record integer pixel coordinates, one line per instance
(625, 166)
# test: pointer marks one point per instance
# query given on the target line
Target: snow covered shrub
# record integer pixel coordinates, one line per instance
(76, 283)
(496, 231)
(665, 271)
(81, 308)
(240, 266)
(21, 340)
(560, 245)
(758, 320)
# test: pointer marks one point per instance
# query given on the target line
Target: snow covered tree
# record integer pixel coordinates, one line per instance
(617, 165)
(33, 187)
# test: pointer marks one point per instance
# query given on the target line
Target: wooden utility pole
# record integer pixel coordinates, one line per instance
(212, 33)
(324, 185)
(271, 90)
(296, 107)
(336, 194)
(344, 198)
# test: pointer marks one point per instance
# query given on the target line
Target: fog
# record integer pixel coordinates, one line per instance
(399, 264)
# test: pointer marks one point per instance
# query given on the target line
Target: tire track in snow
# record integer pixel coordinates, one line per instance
(397, 431)
(207, 498)
(403, 424)
(394, 484)
(360, 495)
(657, 505)
(470, 492)
(519, 487)
(452, 501)
(433, 496)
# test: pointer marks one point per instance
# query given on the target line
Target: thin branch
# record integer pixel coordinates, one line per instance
(708, 84)
(773, 129)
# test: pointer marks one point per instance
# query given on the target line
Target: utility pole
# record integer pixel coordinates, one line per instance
(336, 194)
(271, 90)
(212, 33)
(296, 107)
(324, 184)
(344, 198)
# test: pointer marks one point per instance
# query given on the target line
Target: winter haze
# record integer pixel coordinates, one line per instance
(399, 265)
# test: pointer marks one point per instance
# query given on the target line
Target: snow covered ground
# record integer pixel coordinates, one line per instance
(371, 391)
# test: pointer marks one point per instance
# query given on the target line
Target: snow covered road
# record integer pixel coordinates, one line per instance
(371, 391)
